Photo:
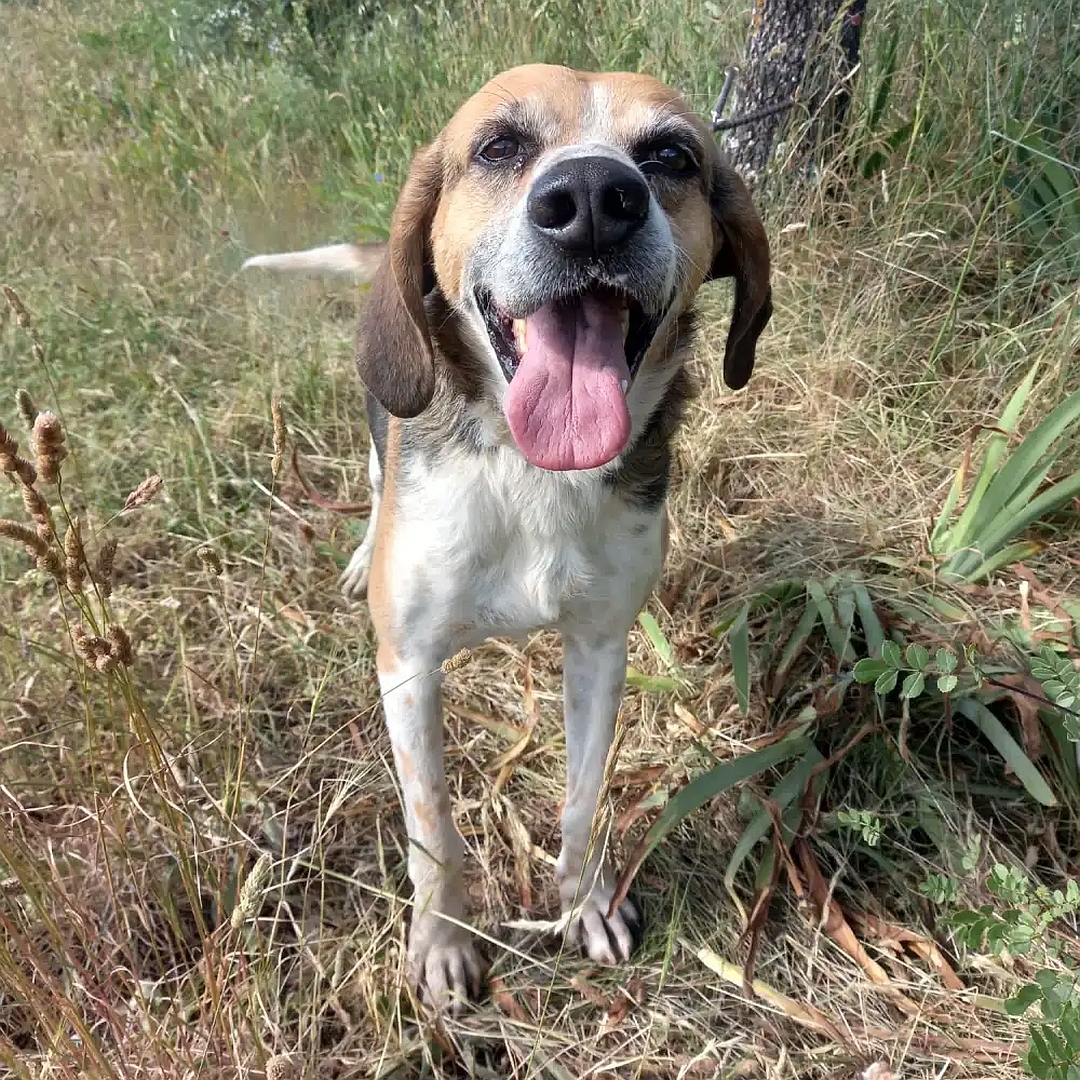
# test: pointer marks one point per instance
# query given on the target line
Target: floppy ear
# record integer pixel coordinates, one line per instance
(393, 342)
(742, 252)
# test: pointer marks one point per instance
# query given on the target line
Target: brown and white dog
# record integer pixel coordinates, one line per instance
(522, 347)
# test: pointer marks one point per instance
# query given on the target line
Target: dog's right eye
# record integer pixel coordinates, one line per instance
(500, 149)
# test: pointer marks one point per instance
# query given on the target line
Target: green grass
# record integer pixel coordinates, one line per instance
(146, 149)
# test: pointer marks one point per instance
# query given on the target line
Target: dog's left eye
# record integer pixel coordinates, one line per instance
(503, 148)
(670, 157)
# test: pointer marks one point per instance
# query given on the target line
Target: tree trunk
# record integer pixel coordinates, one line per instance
(796, 62)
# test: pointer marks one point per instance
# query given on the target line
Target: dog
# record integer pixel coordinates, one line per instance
(523, 346)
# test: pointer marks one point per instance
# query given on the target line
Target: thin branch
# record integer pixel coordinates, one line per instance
(751, 118)
(725, 93)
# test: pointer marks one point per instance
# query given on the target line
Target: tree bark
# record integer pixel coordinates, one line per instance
(796, 62)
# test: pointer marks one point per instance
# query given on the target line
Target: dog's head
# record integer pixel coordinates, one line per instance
(567, 219)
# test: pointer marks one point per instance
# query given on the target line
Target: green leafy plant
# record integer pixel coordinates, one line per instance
(1029, 913)
(880, 146)
(914, 664)
(1043, 194)
(868, 825)
(1053, 1050)
(1061, 684)
(1010, 492)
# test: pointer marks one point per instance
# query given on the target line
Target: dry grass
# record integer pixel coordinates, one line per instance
(201, 850)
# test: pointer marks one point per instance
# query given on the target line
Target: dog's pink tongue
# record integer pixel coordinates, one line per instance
(565, 404)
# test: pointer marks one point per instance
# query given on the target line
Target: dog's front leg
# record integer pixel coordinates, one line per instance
(443, 962)
(594, 674)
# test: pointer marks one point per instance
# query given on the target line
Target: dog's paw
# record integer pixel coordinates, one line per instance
(445, 967)
(354, 578)
(607, 939)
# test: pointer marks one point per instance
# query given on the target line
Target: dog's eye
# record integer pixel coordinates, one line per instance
(670, 157)
(503, 148)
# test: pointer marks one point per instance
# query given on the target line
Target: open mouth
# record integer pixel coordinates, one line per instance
(510, 337)
(569, 365)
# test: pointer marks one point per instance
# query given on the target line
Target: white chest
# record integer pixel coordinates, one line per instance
(490, 546)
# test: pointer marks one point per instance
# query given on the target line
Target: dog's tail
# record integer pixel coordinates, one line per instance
(358, 261)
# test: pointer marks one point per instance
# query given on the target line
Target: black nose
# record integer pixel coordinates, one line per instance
(589, 205)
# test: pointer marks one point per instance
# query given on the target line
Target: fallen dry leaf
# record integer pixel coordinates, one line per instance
(615, 1014)
(834, 924)
(646, 801)
(887, 935)
(505, 1002)
(691, 722)
(637, 778)
(586, 989)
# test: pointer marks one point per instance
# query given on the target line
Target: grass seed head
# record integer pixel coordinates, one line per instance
(51, 563)
(146, 492)
(103, 572)
(281, 436)
(39, 511)
(120, 648)
(105, 662)
(49, 444)
(22, 316)
(282, 1067)
(210, 559)
(74, 558)
(95, 651)
(251, 892)
(23, 534)
(457, 661)
(27, 410)
(11, 461)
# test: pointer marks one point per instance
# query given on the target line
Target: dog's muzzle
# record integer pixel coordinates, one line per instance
(570, 326)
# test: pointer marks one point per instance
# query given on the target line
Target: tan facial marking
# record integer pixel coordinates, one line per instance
(564, 106)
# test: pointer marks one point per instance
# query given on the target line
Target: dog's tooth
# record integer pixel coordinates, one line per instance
(625, 387)
(520, 335)
(624, 318)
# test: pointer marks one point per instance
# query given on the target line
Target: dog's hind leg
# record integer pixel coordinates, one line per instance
(354, 579)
